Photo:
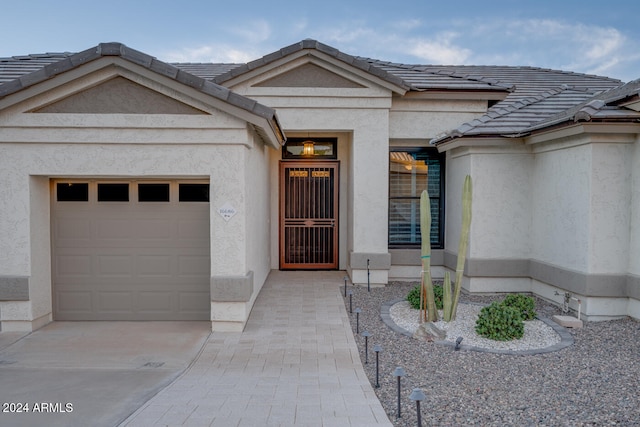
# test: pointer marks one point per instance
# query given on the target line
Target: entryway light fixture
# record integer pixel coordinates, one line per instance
(307, 148)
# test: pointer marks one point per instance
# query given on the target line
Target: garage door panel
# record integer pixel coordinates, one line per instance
(194, 301)
(193, 265)
(70, 230)
(75, 302)
(131, 261)
(154, 265)
(155, 229)
(113, 229)
(115, 302)
(190, 229)
(154, 301)
(115, 266)
(73, 266)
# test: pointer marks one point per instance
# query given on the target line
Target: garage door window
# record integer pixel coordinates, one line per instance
(194, 193)
(113, 192)
(153, 192)
(72, 192)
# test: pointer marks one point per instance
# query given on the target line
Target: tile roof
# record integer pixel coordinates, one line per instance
(13, 67)
(534, 96)
(19, 72)
(236, 70)
(537, 94)
(603, 106)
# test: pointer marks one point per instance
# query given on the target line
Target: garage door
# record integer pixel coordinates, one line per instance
(130, 250)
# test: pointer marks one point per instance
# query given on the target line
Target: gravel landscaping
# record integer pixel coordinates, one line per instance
(594, 381)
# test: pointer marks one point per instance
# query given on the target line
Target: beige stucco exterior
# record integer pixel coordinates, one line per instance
(554, 212)
(212, 144)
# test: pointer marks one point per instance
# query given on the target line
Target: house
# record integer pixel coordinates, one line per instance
(134, 189)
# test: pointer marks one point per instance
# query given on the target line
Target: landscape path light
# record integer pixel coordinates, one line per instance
(366, 336)
(358, 311)
(377, 349)
(418, 396)
(399, 373)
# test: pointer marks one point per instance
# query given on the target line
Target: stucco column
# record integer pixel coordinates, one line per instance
(231, 284)
(369, 200)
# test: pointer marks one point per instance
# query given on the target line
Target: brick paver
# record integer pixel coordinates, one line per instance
(296, 363)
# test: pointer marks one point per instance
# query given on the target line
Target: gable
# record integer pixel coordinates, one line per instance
(118, 96)
(309, 75)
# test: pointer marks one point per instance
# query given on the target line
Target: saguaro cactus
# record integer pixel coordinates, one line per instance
(462, 246)
(427, 298)
(446, 296)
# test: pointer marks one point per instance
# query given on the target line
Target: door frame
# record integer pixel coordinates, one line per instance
(334, 222)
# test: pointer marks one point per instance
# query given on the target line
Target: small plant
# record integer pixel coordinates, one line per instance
(525, 304)
(500, 322)
(414, 297)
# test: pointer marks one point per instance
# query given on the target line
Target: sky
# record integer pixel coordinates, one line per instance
(585, 36)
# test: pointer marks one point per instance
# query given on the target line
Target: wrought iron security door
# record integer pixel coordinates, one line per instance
(308, 215)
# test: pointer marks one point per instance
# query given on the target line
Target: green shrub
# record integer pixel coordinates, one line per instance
(525, 304)
(414, 297)
(500, 322)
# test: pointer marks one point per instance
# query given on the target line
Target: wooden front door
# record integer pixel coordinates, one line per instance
(309, 215)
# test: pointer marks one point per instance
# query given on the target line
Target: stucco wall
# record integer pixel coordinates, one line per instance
(560, 215)
(37, 146)
(610, 208)
(634, 221)
(561, 207)
(422, 117)
(501, 217)
(40, 275)
(458, 167)
(258, 187)
(582, 207)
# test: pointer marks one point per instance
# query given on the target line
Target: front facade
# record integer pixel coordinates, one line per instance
(138, 190)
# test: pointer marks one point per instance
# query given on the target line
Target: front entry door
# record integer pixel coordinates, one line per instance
(309, 215)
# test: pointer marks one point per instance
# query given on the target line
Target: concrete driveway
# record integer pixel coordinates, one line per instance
(91, 373)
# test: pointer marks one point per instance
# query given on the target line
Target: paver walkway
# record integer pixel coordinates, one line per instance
(295, 364)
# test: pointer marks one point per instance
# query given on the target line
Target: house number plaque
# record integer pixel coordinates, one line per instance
(227, 211)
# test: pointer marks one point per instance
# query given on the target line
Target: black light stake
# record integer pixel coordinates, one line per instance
(351, 302)
(399, 373)
(377, 349)
(418, 395)
(345, 285)
(358, 311)
(368, 277)
(366, 336)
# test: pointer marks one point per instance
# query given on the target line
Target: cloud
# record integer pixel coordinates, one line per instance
(440, 49)
(584, 48)
(406, 25)
(217, 53)
(252, 31)
(549, 43)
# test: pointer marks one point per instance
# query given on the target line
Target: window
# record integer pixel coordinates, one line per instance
(410, 171)
(153, 192)
(193, 192)
(113, 192)
(310, 148)
(72, 191)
